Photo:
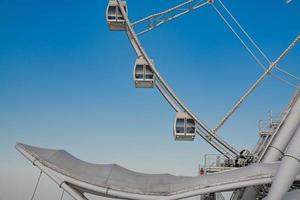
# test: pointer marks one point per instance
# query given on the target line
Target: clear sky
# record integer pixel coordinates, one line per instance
(66, 82)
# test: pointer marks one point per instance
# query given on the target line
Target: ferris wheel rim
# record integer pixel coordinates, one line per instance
(134, 40)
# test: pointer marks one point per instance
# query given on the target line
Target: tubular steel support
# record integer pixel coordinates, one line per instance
(254, 86)
(62, 195)
(289, 167)
(60, 182)
(279, 140)
(36, 185)
(284, 132)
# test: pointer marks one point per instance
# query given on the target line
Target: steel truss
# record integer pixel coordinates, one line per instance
(153, 21)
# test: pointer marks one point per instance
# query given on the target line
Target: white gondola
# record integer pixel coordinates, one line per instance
(114, 17)
(143, 74)
(184, 127)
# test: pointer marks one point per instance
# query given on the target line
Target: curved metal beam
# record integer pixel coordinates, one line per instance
(141, 52)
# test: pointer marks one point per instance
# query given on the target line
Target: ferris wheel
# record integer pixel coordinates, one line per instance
(146, 75)
(252, 170)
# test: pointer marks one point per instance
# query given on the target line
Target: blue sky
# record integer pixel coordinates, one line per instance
(66, 82)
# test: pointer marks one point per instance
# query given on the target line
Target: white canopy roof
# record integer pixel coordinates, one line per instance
(114, 180)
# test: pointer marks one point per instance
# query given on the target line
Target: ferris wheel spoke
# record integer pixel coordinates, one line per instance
(153, 21)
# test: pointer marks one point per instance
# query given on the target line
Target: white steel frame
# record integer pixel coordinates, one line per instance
(202, 129)
(75, 188)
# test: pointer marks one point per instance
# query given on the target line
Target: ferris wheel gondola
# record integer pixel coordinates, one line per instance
(143, 74)
(114, 17)
(184, 127)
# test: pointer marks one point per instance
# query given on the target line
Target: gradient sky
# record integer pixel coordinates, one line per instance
(66, 82)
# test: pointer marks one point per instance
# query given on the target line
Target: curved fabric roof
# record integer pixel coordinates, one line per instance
(117, 178)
